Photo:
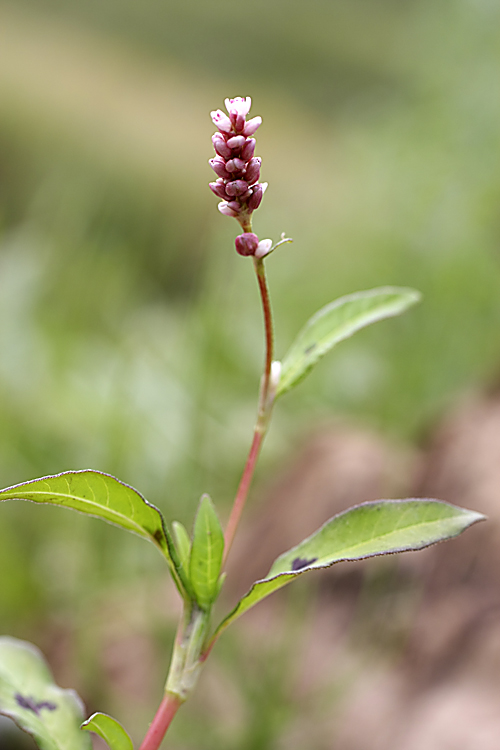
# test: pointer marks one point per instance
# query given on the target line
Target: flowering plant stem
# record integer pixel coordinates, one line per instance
(189, 653)
(264, 412)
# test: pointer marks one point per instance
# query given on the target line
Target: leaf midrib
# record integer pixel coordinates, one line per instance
(93, 504)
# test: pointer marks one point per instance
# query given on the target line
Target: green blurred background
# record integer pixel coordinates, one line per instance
(130, 331)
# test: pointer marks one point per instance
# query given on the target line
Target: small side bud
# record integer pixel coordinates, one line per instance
(247, 243)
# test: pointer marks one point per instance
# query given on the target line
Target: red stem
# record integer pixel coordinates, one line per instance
(161, 722)
(263, 414)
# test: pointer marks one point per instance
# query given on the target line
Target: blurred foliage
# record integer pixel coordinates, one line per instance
(130, 330)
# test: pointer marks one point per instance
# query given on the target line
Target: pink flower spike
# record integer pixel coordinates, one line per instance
(263, 248)
(252, 125)
(238, 105)
(223, 207)
(221, 121)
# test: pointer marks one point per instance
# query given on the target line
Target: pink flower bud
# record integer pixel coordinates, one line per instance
(237, 187)
(247, 243)
(219, 166)
(253, 170)
(256, 197)
(252, 125)
(221, 121)
(237, 141)
(218, 188)
(239, 123)
(225, 209)
(248, 149)
(235, 165)
(238, 105)
(221, 146)
(235, 206)
(263, 248)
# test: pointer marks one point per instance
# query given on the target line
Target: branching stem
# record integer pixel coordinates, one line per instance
(173, 700)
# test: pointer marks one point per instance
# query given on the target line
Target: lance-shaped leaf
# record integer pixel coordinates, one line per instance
(336, 322)
(206, 553)
(367, 530)
(110, 730)
(97, 494)
(29, 696)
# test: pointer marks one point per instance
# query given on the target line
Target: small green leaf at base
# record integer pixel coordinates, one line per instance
(336, 322)
(29, 696)
(103, 496)
(110, 730)
(183, 544)
(206, 553)
(375, 528)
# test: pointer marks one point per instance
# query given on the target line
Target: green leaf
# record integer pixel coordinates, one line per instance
(367, 530)
(101, 495)
(206, 553)
(336, 322)
(183, 544)
(110, 730)
(29, 696)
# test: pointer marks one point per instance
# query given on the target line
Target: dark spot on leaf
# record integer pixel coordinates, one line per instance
(310, 348)
(158, 536)
(301, 562)
(30, 704)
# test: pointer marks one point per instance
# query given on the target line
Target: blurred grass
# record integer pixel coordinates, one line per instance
(130, 330)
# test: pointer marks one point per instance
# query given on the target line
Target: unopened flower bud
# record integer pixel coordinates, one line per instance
(247, 243)
(218, 188)
(237, 187)
(253, 170)
(235, 165)
(252, 125)
(236, 141)
(221, 121)
(225, 209)
(239, 123)
(248, 149)
(221, 146)
(256, 197)
(219, 166)
(235, 206)
(263, 248)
